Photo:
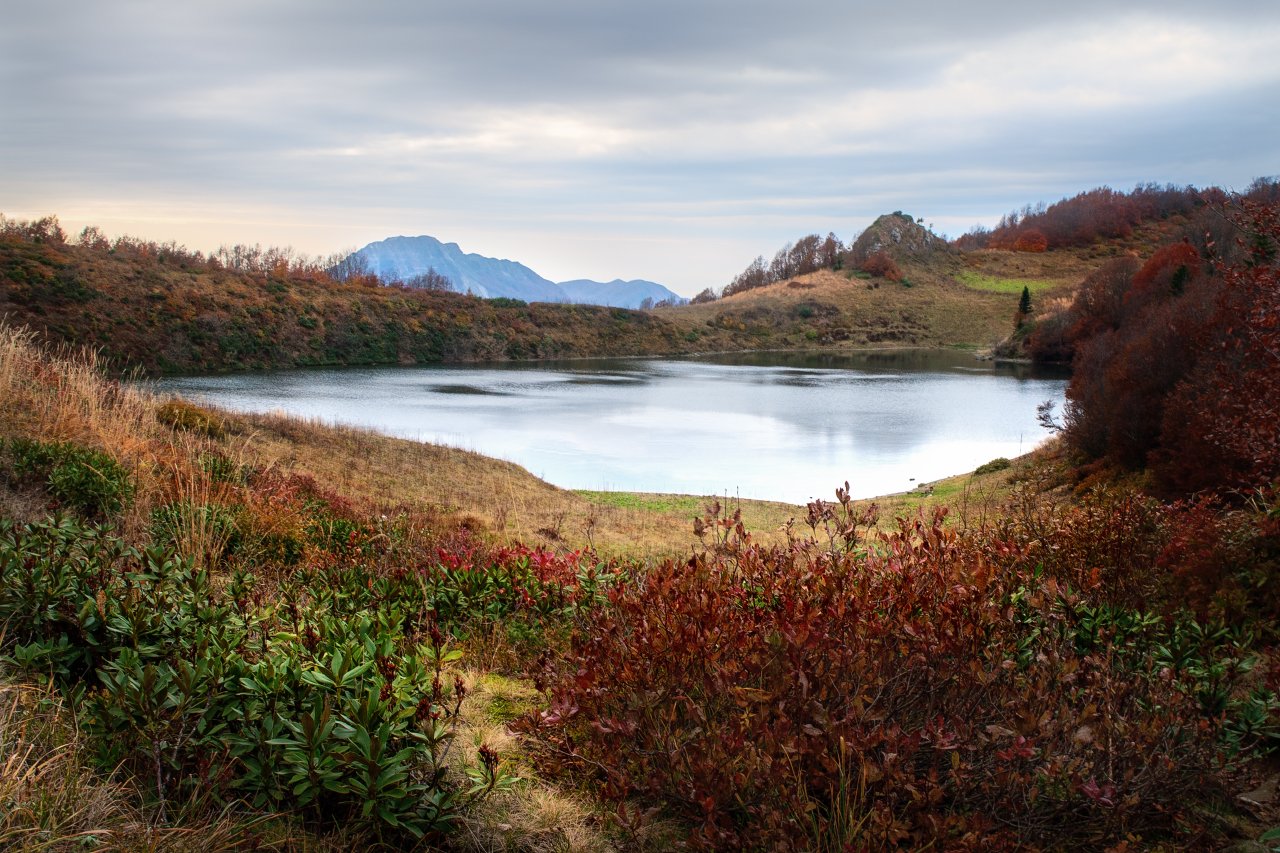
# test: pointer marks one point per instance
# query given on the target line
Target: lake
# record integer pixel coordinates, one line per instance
(787, 427)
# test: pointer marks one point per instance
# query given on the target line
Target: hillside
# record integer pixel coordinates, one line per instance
(942, 297)
(901, 236)
(169, 313)
(162, 309)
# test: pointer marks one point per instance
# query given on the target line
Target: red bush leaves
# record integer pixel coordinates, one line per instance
(926, 689)
(879, 264)
(1222, 424)
(1178, 368)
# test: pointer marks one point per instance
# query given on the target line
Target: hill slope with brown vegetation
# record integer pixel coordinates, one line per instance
(164, 309)
(898, 284)
(914, 291)
(1177, 360)
(167, 310)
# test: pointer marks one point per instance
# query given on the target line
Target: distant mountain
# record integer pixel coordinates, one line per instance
(400, 259)
(618, 293)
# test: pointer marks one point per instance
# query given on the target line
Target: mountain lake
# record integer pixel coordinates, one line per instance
(774, 426)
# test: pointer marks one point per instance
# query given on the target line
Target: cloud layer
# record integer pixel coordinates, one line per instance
(669, 141)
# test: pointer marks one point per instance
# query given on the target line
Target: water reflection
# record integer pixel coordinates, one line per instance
(465, 389)
(782, 426)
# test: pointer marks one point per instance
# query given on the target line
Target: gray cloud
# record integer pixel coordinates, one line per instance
(664, 140)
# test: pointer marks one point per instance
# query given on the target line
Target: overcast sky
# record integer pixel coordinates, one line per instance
(672, 141)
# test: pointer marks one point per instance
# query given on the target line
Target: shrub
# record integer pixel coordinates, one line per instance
(998, 464)
(181, 415)
(1031, 241)
(881, 265)
(86, 480)
(927, 689)
(1176, 368)
(337, 702)
(1219, 427)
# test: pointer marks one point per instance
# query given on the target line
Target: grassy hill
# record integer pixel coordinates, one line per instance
(168, 312)
(164, 310)
(924, 292)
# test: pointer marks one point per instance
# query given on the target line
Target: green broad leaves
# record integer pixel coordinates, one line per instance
(214, 693)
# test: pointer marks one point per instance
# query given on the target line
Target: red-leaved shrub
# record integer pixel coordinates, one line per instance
(881, 265)
(921, 689)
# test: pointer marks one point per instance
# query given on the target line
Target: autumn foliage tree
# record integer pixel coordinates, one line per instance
(1098, 214)
(1221, 427)
(1031, 240)
(1177, 362)
(806, 255)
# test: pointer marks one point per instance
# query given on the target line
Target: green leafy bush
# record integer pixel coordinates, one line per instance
(87, 480)
(338, 701)
(998, 464)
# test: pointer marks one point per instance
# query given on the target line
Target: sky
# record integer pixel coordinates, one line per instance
(671, 141)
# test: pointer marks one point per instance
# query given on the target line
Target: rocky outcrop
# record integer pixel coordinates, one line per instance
(898, 235)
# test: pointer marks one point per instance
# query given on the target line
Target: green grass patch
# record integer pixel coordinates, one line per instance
(683, 504)
(756, 514)
(995, 284)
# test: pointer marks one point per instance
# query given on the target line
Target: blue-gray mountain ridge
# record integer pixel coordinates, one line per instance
(400, 259)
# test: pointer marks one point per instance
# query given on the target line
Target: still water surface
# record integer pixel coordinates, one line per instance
(773, 426)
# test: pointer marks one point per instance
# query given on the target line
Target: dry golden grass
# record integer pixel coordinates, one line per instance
(490, 495)
(972, 499)
(1064, 267)
(535, 815)
(854, 312)
(64, 397)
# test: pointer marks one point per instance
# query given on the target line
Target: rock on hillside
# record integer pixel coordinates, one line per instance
(900, 236)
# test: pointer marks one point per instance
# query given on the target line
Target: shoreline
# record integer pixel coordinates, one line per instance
(151, 376)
